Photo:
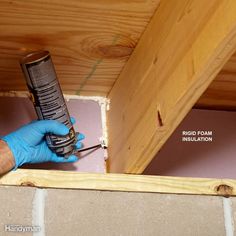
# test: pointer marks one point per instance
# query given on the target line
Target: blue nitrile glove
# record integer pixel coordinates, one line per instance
(28, 144)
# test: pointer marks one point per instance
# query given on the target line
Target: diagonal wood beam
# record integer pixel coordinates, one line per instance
(183, 48)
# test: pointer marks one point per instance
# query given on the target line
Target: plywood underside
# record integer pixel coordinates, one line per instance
(221, 94)
(90, 42)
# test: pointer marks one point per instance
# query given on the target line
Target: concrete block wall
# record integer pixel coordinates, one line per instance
(86, 212)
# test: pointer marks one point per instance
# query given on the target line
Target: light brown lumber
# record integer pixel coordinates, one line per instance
(118, 182)
(221, 94)
(182, 50)
(90, 40)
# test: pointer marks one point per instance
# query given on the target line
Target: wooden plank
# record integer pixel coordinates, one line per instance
(221, 94)
(182, 50)
(119, 182)
(89, 53)
(89, 40)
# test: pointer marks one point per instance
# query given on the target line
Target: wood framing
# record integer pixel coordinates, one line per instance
(221, 94)
(89, 40)
(119, 182)
(182, 50)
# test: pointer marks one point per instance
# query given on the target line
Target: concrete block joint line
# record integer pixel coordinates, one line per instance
(38, 211)
(228, 217)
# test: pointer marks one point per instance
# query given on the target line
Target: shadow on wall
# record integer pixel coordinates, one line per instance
(216, 159)
(16, 112)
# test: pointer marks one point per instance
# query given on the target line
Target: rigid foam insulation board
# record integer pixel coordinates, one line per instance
(18, 111)
(212, 159)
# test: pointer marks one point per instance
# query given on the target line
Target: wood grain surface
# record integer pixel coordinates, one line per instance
(119, 182)
(221, 94)
(90, 40)
(191, 41)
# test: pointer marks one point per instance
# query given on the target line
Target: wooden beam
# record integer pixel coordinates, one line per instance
(119, 182)
(182, 50)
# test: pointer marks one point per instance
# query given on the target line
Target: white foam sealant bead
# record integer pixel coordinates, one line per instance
(102, 101)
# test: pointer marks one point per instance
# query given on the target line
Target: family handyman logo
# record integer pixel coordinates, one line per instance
(21, 228)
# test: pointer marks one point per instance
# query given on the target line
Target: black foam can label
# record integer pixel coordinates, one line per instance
(48, 100)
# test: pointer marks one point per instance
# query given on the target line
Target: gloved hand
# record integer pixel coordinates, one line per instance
(28, 144)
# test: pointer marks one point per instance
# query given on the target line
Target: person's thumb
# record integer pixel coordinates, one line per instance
(70, 159)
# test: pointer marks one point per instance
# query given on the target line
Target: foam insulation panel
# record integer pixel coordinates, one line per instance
(211, 159)
(17, 111)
